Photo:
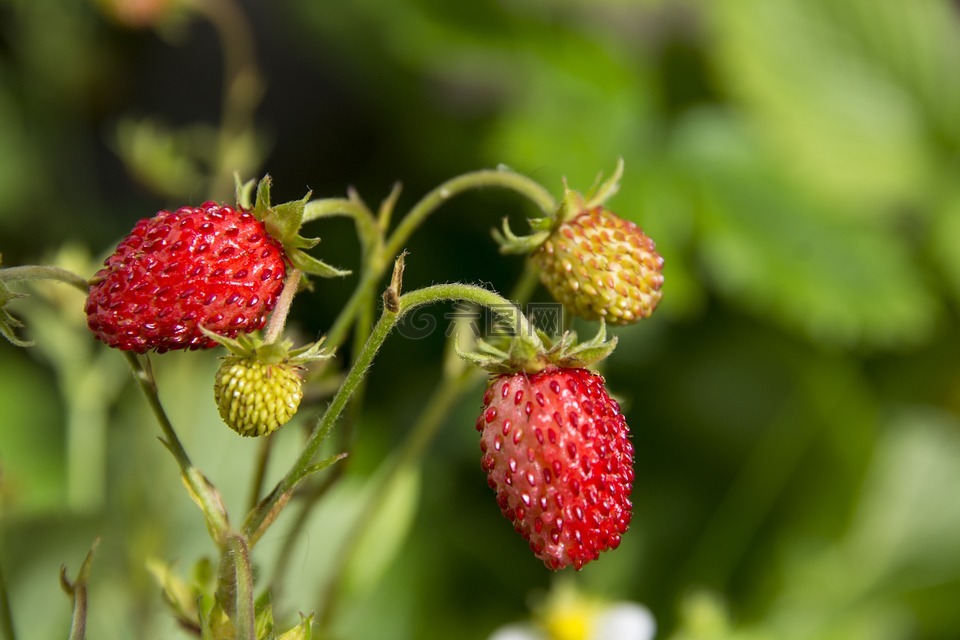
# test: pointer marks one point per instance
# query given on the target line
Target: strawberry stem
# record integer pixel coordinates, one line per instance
(389, 318)
(203, 493)
(43, 272)
(502, 178)
(278, 319)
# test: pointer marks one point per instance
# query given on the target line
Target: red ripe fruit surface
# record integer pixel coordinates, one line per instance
(557, 452)
(212, 266)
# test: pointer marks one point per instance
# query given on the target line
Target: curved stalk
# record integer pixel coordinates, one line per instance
(43, 272)
(425, 428)
(486, 178)
(268, 510)
(200, 489)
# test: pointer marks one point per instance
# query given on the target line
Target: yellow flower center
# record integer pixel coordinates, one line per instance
(570, 620)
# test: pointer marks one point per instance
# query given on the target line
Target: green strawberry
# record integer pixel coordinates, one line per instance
(257, 398)
(258, 387)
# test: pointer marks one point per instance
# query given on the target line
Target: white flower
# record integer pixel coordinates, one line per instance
(569, 615)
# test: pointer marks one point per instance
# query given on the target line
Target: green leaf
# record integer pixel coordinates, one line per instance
(813, 268)
(385, 532)
(836, 90)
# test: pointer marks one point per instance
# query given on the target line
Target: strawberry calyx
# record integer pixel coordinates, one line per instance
(8, 323)
(573, 204)
(521, 354)
(283, 222)
(251, 346)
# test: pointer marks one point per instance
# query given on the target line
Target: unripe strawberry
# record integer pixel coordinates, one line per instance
(601, 266)
(557, 452)
(256, 398)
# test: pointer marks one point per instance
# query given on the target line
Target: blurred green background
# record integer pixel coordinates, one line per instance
(794, 402)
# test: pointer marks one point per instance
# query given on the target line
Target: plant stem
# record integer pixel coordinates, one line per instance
(242, 88)
(6, 611)
(202, 492)
(253, 526)
(268, 509)
(486, 178)
(424, 429)
(278, 318)
(43, 272)
(244, 615)
(367, 228)
(263, 458)
(501, 178)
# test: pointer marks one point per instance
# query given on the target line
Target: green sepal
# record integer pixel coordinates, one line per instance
(605, 190)
(249, 345)
(283, 222)
(244, 191)
(314, 267)
(9, 324)
(574, 203)
(511, 243)
(521, 354)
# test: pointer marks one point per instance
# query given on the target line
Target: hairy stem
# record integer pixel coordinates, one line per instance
(202, 492)
(263, 459)
(486, 178)
(367, 228)
(425, 427)
(278, 318)
(405, 303)
(241, 608)
(43, 272)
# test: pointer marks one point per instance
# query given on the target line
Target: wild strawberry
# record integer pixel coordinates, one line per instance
(257, 398)
(258, 387)
(601, 266)
(556, 450)
(212, 267)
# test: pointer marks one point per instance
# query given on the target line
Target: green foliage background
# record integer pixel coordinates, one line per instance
(794, 401)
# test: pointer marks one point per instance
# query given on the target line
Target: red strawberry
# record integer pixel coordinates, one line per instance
(556, 450)
(212, 266)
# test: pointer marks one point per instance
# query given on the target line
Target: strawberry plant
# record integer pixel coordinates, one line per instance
(555, 445)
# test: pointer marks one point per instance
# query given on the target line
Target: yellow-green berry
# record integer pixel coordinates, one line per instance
(256, 398)
(601, 266)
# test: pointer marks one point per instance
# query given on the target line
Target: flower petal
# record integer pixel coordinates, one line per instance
(625, 621)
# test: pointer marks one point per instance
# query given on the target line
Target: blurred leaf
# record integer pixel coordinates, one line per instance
(385, 532)
(181, 597)
(903, 538)
(837, 280)
(817, 77)
(169, 162)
